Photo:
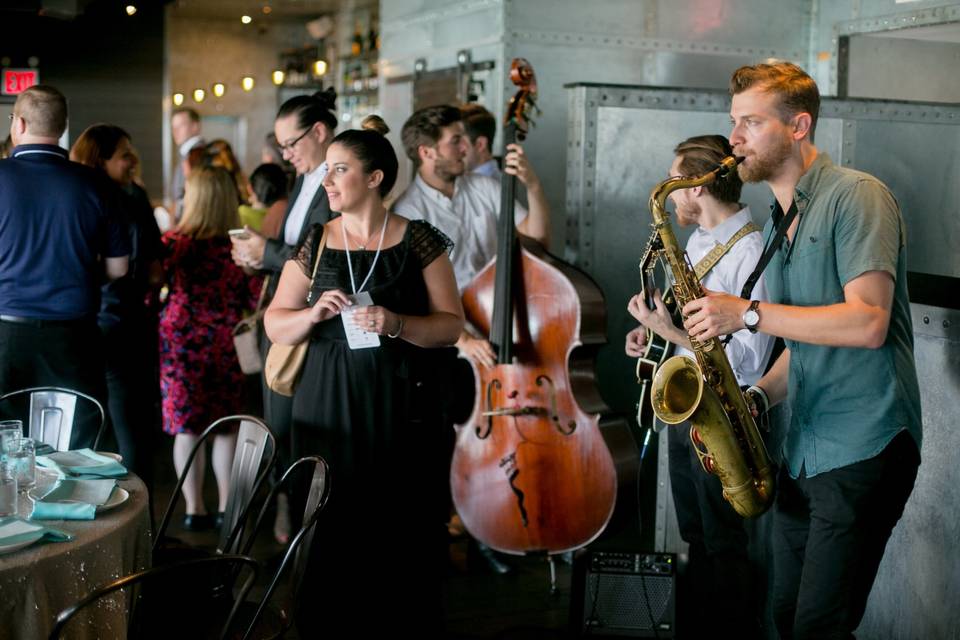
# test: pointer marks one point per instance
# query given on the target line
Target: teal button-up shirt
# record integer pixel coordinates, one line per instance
(846, 403)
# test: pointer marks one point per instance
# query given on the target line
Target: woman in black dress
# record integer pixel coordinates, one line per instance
(371, 412)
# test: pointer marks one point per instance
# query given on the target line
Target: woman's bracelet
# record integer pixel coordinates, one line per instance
(399, 329)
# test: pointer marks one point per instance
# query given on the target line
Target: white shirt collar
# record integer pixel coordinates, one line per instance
(434, 193)
(189, 144)
(488, 168)
(317, 174)
(726, 229)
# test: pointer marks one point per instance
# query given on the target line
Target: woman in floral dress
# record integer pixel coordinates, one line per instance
(200, 377)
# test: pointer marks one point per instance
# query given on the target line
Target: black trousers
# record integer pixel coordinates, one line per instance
(70, 356)
(719, 580)
(829, 535)
(133, 391)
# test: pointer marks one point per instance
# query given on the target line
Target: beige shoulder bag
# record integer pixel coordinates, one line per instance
(284, 361)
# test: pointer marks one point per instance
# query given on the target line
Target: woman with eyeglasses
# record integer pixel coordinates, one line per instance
(304, 128)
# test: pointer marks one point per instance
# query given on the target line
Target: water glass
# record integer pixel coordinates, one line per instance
(8, 490)
(24, 461)
(10, 433)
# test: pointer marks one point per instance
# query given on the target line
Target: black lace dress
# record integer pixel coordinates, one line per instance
(374, 415)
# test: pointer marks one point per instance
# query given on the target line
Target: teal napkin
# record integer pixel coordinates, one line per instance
(72, 499)
(63, 511)
(16, 530)
(84, 463)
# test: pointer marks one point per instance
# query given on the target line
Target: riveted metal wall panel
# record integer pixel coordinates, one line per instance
(918, 585)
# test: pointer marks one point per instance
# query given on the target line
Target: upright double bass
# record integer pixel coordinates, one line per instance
(532, 472)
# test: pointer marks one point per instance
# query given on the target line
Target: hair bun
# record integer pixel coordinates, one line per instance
(375, 123)
(327, 98)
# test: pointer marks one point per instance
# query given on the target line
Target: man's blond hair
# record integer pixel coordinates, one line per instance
(44, 109)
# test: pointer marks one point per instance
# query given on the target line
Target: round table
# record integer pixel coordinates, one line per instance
(40, 581)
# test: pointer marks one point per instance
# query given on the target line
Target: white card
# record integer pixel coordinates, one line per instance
(357, 338)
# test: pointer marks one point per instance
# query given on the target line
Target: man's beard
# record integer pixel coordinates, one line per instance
(447, 169)
(764, 167)
(687, 214)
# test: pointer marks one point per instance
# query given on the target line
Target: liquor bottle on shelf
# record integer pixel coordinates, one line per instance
(356, 45)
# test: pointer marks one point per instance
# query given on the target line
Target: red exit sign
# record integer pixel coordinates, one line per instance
(18, 80)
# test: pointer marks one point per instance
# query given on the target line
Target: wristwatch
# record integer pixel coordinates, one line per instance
(751, 317)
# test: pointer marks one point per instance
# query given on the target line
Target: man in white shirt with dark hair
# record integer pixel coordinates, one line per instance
(480, 127)
(465, 206)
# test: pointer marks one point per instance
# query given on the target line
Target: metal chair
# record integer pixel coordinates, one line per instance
(53, 412)
(154, 613)
(254, 442)
(297, 554)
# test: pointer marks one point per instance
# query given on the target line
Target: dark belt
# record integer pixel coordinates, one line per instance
(43, 322)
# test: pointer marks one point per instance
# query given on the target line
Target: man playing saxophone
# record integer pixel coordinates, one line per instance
(837, 283)
(718, 573)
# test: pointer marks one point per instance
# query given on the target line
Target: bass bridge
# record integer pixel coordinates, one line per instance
(491, 411)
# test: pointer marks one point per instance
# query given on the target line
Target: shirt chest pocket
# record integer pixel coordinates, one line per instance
(813, 273)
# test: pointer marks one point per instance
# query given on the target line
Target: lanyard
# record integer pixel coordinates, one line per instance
(346, 247)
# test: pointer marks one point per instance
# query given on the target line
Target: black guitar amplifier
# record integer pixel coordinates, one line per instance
(627, 594)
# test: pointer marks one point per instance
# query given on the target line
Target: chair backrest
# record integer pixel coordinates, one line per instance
(299, 547)
(253, 458)
(53, 413)
(212, 591)
(253, 440)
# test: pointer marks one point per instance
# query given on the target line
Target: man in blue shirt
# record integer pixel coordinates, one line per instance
(838, 292)
(58, 239)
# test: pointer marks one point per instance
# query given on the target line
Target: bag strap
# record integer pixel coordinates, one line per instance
(316, 264)
(708, 261)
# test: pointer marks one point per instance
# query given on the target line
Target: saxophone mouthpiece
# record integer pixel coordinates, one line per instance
(727, 165)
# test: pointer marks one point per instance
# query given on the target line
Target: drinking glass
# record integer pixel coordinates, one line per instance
(10, 433)
(23, 460)
(8, 490)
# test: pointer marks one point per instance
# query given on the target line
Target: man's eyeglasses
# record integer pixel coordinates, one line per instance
(290, 145)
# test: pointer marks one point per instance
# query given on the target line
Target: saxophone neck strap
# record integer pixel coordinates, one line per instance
(781, 224)
(708, 261)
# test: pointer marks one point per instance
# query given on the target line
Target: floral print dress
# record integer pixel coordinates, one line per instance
(200, 376)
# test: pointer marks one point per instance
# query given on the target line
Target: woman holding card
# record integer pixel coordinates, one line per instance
(381, 296)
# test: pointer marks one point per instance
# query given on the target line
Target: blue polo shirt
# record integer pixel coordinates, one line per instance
(847, 403)
(58, 220)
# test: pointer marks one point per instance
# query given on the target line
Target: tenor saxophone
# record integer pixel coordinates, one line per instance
(705, 391)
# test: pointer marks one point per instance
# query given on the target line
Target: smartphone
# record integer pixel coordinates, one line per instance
(240, 234)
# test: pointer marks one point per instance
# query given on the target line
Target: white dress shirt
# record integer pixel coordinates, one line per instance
(311, 182)
(469, 219)
(747, 352)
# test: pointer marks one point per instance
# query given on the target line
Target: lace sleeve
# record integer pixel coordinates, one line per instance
(427, 242)
(305, 252)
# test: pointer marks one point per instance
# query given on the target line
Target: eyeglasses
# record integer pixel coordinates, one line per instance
(290, 145)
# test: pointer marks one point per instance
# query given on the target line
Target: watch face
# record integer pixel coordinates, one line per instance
(751, 318)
